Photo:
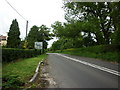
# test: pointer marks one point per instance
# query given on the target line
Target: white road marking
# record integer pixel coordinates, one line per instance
(92, 65)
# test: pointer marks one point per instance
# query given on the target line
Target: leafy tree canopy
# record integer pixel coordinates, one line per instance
(14, 40)
(39, 34)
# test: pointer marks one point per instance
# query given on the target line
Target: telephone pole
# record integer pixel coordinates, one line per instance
(26, 34)
(26, 29)
(25, 44)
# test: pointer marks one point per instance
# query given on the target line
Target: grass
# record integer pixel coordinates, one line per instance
(23, 68)
(108, 56)
(99, 52)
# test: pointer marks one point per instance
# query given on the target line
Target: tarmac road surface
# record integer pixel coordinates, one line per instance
(79, 72)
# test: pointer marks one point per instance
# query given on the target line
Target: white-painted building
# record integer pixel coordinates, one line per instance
(3, 40)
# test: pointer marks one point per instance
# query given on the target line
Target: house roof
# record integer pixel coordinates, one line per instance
(3, 37)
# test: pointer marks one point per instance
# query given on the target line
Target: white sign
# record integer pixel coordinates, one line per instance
(38, 45)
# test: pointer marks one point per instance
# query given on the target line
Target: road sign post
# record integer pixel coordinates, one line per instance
(39, 46)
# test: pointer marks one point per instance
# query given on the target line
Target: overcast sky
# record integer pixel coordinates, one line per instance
(37, 12)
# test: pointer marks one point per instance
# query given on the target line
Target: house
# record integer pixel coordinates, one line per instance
(3, 40)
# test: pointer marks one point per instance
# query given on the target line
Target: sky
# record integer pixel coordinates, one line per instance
(37, 12)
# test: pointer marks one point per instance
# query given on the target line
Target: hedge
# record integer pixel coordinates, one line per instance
(102, 48)
(10, 54)
(104, 52)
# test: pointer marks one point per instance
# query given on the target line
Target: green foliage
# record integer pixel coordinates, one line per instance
(39, 34)
(105, 52)
(9, 54)
(44, 35)
(33, 36)
(115, 14)
(74, 35)
(56, 45)
(16, 74)
(58, 29)
(103, 15)
(11, 81)
(13, 40)
(44, 32)
(89, 24)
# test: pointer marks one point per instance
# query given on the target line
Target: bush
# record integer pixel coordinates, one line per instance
(10, 54)
(11, 81)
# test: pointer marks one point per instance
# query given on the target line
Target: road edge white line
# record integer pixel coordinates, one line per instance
(92, 65)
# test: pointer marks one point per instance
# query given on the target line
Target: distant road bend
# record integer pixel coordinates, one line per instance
(79, 72)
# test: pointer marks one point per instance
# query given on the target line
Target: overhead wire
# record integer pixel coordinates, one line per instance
(20, 15)
(15, 10)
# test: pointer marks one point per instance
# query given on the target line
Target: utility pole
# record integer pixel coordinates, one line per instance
(25, 44)
(26, 34)
(26, 29)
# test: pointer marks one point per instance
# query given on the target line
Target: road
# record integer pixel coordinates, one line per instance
(70, 72)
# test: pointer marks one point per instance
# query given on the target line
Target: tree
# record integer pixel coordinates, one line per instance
(115, 14)
(39, 34)
(56, 45)
(58, 29)
(95, 11)
(88, 24)
(13, 35)
(71, 33)
(59, 44)
(44, 33)
(33, 36)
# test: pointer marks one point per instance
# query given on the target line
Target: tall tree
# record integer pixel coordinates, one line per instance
(44, 35)
(115, 14)
(58, 29)
(38, 34)
(13, 35)
(75, 33)
(33, 36)
(99, 12)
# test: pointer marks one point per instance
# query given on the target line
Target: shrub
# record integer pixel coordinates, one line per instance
(11, 81)
(10, 54)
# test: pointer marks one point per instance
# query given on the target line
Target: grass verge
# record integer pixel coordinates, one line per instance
(20, 71)
(107, 53)
(108, 56)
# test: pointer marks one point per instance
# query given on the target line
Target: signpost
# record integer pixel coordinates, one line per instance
(39, 46)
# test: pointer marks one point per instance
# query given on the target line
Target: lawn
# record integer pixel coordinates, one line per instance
(22, 69)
